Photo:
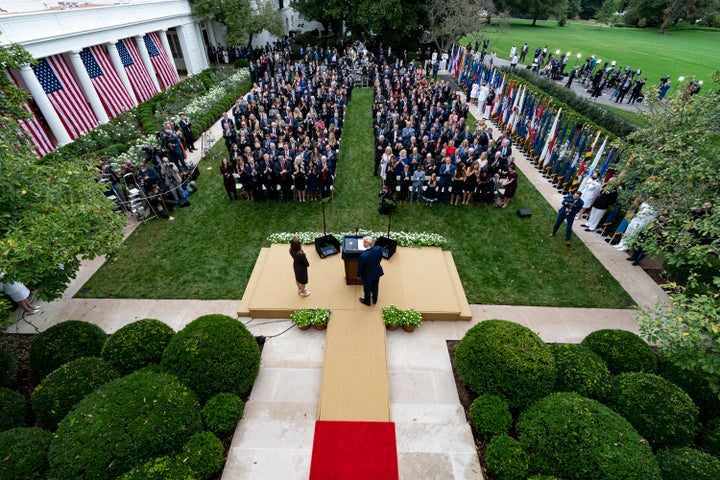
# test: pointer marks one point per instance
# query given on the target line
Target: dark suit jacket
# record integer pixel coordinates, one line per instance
(369, 268)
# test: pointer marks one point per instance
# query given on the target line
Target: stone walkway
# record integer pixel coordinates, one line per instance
(274, 438)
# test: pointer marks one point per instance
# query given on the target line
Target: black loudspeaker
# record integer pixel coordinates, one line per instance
(388, 247)
(327, 245)
(524, 212)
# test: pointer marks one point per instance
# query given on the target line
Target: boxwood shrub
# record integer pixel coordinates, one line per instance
(137, 345)
(580, 370)
(222, 413)
(204, 454)
(63, 342)
(161, 468)
(490, 415)
(123, 424)
(578, 438)
(8, 368)
(213, 354)
(66, 386)
(507, 359)
(688, 464)
(506, 458)
(622, 351)
(543, 477)
(660, 410)
(709, 439)
(695, 384)
(24, 453)
(13, 409)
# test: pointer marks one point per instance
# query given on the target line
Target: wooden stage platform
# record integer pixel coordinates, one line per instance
(425, 279)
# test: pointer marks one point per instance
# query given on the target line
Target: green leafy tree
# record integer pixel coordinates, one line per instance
(448, 20)
(242, 19)
(538, 9)
(606, 13)
(51, 214)
(331, 13)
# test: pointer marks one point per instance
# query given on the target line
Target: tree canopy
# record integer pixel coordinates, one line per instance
(448, 20)
(51, 214)
(242, 19)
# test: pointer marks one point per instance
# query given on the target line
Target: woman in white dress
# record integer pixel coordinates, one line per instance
(474, 93)
(482, 98)
(20, 294)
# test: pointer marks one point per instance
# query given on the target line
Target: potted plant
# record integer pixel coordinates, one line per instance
(411, 319)
(392, 317)
(305, 318)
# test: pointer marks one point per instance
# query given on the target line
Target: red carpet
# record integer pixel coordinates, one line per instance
(354, 451)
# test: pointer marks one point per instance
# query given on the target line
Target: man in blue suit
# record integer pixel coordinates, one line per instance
(369, 270)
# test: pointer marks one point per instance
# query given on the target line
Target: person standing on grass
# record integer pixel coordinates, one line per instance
(370, 271)
(571, 205)
(300, 266)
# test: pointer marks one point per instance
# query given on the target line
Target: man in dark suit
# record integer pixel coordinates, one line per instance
(369, 270)
(571, 205)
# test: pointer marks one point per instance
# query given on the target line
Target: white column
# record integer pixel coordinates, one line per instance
(43, 103)
(193, 51)
(166, 46)
(120, 69)
(87, 87)
(211, 33)
(142, 49)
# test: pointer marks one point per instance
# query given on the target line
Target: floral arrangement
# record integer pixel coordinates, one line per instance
(202, 104)
(394, 317)
(404, 239)
(306, 317)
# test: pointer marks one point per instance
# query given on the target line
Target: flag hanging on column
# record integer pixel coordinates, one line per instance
(113, 95)
(32, 127)
(136, 71)
(65, 95)
(160, 60)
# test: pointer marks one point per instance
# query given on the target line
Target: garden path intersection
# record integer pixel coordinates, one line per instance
(275, 436)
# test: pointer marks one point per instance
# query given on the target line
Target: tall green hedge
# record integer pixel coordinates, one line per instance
(576, 438)
(213, 354)
(507, 359)
(123, 424)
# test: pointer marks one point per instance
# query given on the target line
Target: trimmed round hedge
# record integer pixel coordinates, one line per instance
(204, 454)
(137, 345)
(8, 368)
(213, 354)
(123, 424)
(660, 411)
(688, 464)
(710, 437)
(63, 342)
(162, 468)
(24, 453)
(578, 438)
(622, 351)
(222, 413)
(695, 384)
(580, 370)
(506, 458)
(13, 409)
(66, 386)
(490, 415)
(507, 359)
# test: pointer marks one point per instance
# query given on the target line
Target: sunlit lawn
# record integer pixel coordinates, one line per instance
(681, 52)
(209, 251)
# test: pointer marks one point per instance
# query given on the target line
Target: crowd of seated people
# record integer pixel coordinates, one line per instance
(424, 150)
(283, 136)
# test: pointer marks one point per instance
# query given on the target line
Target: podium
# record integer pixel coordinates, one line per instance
(352, 247)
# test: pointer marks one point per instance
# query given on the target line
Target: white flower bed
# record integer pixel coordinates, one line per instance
(403, 239)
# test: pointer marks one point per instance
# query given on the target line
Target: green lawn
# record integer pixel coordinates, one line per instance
(681, 52)
(209, 251)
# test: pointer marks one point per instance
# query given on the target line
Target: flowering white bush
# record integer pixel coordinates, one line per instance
(404, 239)
(200, 105)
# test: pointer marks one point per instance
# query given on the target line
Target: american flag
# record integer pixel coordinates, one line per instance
(136, 71)
(65, 95)
(32, 127)
(106, 81)
(159, 58)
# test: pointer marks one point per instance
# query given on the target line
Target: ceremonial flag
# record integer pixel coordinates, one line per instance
(113, 95)
(160, 60)
(544, 156)
(33, 129)
(65, 95)
(607, 161)
(137, 73)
